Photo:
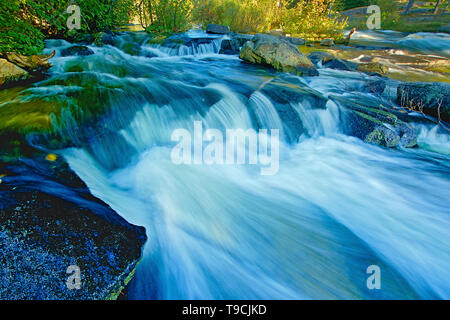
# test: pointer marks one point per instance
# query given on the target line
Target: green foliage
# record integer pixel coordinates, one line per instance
(390, 14)
(165, 16)
(314, 20)
(239, 15)
(16, 35)
(25, 23)
(341, 5)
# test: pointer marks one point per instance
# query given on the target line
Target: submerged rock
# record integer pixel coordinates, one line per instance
(76, 51)
(10, 73)
(217, 29)
(50, 221)
(432, 98)
(280, 54)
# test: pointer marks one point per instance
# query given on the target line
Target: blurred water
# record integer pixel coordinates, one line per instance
(336, 206)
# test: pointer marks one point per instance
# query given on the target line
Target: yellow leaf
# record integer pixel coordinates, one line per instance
(51, 157)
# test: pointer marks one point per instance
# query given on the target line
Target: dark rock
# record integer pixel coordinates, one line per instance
(104, 38)
(340, 64)
(76, 51)
(217, 29)
(296, 41)
(374, 86)
(430, 98)
(320, 56)
(229, 46)
(50, 221)
(327, 42)
(373, 124)
(280, 54)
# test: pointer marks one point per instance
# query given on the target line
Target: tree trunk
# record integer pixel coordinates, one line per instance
(436, 8)
(409, 6)
(446, 7)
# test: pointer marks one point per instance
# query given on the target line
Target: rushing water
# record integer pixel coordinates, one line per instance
(336, 206)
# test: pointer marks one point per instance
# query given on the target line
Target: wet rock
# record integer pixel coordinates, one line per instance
(50, 221)
(229, 46)
(10, 73)
(375, 125)
(340, 64)
(33, 63)
(217, 29)
(374, 86)
(76, 51)
(384, 137)
(431, 98)
(320, 56)
(373, 68)
(296, 41)
(280, 54)
(327, 42)
(104, 38)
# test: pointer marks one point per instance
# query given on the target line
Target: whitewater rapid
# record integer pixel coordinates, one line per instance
(336, 206)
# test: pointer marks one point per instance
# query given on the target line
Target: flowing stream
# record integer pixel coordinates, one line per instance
(336, 206)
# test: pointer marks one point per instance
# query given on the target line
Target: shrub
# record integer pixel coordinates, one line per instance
(313, 19)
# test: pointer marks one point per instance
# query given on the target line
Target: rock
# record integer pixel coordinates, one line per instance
(426, 97)
(296, 41)
(445, 29)
(327, 42)
(320, 56)
(76, 51)
(373, 68)
(340, 64)
(384, 137)
(375, 125)
(50, 221)
(280, 54)
(10, 73)
(242, 38)
(104, 38)
(374, 86)
(34, 63)
(217, 29)
(229, 46)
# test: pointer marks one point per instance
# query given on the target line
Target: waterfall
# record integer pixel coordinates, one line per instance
(224, 231)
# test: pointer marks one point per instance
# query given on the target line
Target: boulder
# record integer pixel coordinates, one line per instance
(373, 124)
(373, 68)
(327, 42)
(10, 73)
(217, 29)
(430, 98)
(340, 64)
(46, 227)
(76, 51)
(33, 63)
(104, 38)
(280, 54)
(229, 46)
(296, 41)
(320, 56)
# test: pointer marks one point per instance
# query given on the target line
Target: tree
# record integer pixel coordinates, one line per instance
(436, 8)
(409, 6)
